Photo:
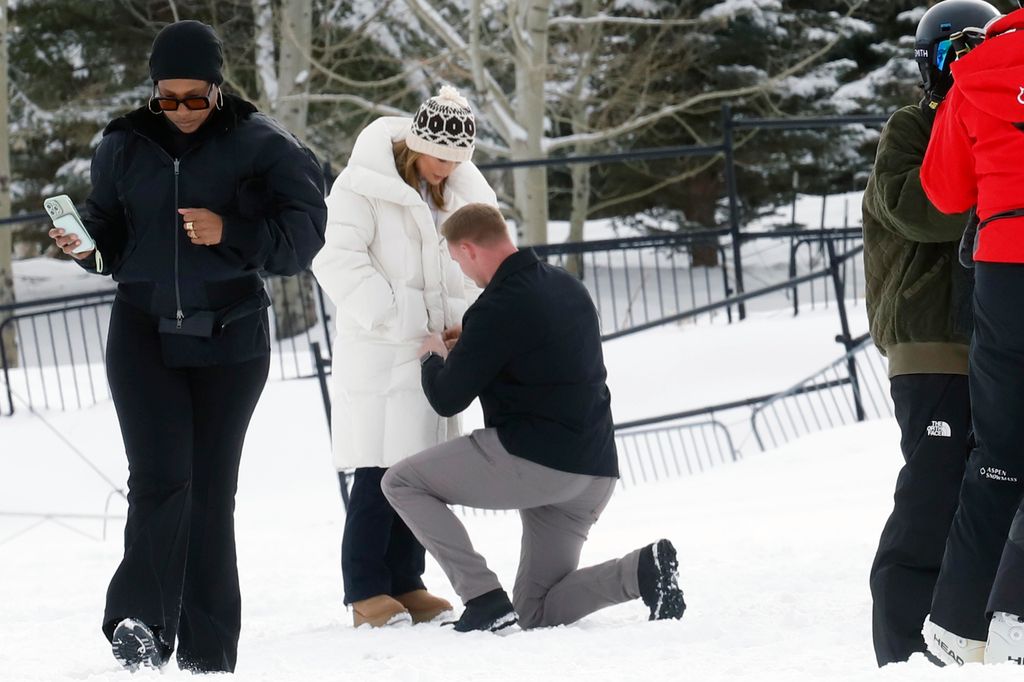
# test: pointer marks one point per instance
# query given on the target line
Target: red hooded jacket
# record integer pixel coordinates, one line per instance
(976, 153)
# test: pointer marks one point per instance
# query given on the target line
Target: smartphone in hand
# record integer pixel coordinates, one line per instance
(63, 214)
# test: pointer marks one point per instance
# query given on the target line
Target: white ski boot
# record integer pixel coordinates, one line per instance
(951, 648)
(1005, 639)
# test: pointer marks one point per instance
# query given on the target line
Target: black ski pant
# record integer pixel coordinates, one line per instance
(994, 480)
(183, 431)
(934, 415)
(379, 554)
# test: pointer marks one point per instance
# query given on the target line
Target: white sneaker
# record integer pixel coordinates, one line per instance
(951, 648)
(1005, 639)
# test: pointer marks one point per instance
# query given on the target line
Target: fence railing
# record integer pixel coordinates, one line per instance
(851, 389)
(811, 253)
(638, 280)
(636, 283)
(726, 149)
(60, 360)
(673, 451)
(647, 453)
(60, 363)
(661, 447)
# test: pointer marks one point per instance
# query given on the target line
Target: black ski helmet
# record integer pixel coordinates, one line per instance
(933, 49)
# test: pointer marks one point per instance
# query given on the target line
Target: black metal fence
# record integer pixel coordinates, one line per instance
(643, 279)
(851, 389)
(647, 453)
(60, 353)
(60, 362)
(636, 283)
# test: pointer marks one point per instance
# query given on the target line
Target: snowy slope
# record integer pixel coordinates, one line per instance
(775, 549)
(775, 553)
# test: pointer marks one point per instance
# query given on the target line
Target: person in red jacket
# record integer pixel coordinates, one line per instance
(975, 159)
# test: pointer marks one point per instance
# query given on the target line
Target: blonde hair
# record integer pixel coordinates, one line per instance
(405, 162)
(480, 224)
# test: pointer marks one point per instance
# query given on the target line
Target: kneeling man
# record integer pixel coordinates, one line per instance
(530, 349)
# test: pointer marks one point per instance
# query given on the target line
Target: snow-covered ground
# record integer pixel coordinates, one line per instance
(775, 549)
(775, 553)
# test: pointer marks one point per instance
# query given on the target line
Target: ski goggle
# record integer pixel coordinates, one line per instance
(944, 54)
(192, 103)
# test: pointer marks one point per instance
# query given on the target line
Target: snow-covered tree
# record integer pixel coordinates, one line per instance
(7, 338)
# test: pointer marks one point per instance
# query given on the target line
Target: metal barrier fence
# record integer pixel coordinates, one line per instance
(639, 280)
(808, 254)
(849, 390)
(646, 453)
(61, 347)
(60, 362)
(673, 451)
(636, 284)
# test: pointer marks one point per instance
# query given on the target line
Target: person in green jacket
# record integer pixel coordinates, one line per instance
(919, 309)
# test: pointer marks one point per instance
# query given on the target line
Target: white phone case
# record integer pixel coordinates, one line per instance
(64, 215)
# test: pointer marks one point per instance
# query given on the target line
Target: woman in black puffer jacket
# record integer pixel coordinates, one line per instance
(193, 197)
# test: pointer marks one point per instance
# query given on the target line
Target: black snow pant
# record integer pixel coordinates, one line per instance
(934, 414)
(994, 480)
(379, 554)
(183, 431)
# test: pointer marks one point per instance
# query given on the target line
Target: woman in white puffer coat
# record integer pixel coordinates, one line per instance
(389, 274)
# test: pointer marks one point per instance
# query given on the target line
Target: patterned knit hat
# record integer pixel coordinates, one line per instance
(444, 127)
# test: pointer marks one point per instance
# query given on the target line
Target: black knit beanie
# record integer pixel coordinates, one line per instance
(187, 49)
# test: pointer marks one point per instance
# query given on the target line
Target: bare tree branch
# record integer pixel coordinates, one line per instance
(575, 22)
(553, 144)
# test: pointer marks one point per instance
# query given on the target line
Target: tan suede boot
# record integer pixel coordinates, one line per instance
(379, 612)
(423, 606)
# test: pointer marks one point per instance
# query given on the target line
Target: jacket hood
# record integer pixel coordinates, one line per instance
(371, 168)
(991, 76)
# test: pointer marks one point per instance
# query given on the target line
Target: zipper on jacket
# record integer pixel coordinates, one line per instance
(179, 315)
(177, 239)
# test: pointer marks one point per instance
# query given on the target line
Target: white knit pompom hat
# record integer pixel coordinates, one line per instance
(444, 127)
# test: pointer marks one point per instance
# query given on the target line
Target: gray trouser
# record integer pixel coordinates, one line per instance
(557, 510)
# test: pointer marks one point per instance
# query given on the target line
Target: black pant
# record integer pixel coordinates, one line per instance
(379, 554)
(992, 485)
(934, 414)
(183, 431)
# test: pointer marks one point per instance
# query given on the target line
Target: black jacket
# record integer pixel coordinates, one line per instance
(266, 186)
(531, 350)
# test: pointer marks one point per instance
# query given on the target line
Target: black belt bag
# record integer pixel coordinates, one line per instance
(208, 323)
(969, 242)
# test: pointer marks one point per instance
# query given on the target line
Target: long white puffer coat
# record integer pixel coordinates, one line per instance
(388, 272)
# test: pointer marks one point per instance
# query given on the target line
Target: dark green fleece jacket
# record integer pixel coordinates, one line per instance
(918, 294)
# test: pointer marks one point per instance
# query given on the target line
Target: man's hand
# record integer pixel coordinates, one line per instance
(203, 227)
(451, 336)
(435, 343)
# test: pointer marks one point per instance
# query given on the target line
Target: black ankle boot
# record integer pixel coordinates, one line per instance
(658, 572)
(489, 612)
(135, 645)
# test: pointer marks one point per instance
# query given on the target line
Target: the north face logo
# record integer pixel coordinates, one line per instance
(940, 430)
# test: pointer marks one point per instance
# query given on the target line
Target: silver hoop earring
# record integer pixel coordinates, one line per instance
(220, 98)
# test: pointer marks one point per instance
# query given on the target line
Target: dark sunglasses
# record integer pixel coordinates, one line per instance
(192, 103)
